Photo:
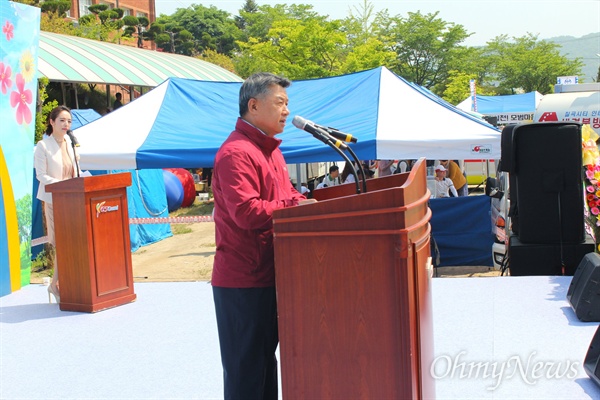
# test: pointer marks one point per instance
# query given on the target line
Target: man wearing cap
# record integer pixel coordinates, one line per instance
(454, 173)
(443, 184)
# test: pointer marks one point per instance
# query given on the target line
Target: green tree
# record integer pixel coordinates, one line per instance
(211, 28)
(296, 49)
(137, 26)
(528, 64)
(221, 60)
(426, 46)
(58, 7)
(458, 87)
(110, 20)
(171, 37)
(365, 48)
(43, 108)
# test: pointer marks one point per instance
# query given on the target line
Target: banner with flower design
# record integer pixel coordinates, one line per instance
(18, 92)
(591, 169)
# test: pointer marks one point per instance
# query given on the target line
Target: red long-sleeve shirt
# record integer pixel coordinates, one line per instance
(250, 181)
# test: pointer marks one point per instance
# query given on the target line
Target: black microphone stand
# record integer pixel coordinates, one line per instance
(328, 140)
(75, 157)
(360, 166)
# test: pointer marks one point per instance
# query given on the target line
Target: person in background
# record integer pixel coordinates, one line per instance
(347, 175)
(54, 161)
(384, 167)
(404, 166)
(304, 190)
(443, 184)
(331, 179)
(117, 102)
(250, 181)
(455, 174)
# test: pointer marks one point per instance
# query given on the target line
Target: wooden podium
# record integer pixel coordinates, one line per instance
(353, 284)
(93, 248)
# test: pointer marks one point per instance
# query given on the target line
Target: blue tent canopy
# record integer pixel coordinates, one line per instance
(509, 108)
(182, 123)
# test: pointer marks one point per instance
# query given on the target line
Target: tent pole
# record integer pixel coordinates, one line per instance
(298, 177)
(64, 93)
(76, 96)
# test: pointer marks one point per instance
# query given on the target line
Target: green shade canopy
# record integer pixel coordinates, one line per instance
(64, 58)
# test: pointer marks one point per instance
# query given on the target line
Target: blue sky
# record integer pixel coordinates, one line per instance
(486, 19)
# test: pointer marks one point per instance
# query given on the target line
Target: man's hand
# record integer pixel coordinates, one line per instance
(307, 201)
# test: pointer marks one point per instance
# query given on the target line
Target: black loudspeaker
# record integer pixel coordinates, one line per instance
(507, 149)
(549, 178)
(584, 291)
(526, 259)
(592, 359)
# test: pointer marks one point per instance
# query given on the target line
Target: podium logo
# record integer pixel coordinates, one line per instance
(101, 208)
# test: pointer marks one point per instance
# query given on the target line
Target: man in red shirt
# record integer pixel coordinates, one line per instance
(250, 181)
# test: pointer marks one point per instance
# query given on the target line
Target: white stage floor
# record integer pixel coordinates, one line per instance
(495, 338)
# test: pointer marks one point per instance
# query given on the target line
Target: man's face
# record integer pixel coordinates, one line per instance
(269, 111)
(440, 173)
(335, 173)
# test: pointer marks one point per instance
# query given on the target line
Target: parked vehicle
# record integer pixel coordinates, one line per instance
(498, 189)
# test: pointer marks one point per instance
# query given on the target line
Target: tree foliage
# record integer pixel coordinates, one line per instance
(426, 46)
(528, 64)
(295, 41)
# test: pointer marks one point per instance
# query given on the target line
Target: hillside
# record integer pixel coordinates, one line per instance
(587, 48)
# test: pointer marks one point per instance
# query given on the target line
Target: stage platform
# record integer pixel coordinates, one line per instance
(495, 338)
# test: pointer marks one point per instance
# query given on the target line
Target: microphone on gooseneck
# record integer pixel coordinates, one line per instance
(317, 132)
(73, 138)
(336, 133)
(75, 143)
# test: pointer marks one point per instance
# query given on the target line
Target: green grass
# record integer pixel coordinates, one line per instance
(198, 208)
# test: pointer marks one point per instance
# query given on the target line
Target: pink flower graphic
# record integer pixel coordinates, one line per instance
(8, 30)
(21, 98)
(5, 74)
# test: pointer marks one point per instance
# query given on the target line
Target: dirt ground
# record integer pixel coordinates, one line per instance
(189, 257)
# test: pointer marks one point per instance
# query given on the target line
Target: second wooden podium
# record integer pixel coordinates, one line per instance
(93, 247)
(353, 293)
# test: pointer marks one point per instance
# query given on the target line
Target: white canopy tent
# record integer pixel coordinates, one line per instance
(182, 123)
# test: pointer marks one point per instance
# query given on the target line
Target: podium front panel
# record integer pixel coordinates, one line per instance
(353, 295)
(110, 243)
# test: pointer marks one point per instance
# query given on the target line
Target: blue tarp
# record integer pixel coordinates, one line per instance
(461, 227)
(83, 117)
(146, 198)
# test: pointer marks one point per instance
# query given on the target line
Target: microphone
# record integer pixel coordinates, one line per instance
(73, 138)
(318, 132)
(336, 133)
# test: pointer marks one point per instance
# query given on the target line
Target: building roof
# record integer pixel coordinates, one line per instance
(64, 58)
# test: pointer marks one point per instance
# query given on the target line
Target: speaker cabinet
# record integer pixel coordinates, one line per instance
(584, 291)
(526, 259)
(507, 149)
(549, 182)
(592, 359)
